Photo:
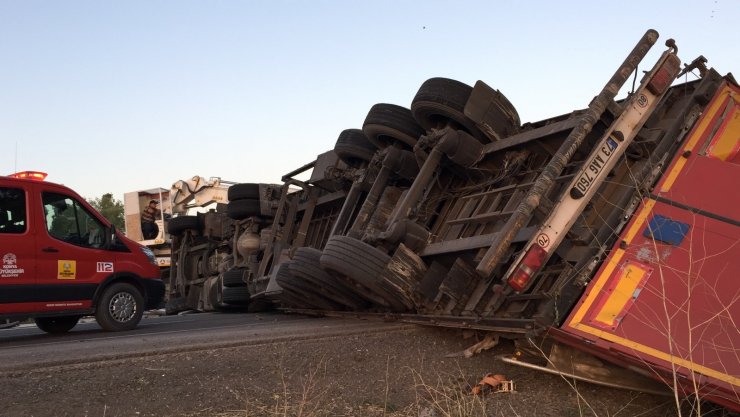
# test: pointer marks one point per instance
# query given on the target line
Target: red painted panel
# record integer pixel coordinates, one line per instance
(44, 306)
(686, 313)
(708, 184)
(688, 305)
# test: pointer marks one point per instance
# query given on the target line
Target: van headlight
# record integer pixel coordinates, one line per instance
(149, 255)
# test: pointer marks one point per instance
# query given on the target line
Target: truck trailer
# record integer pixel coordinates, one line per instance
(612, 230)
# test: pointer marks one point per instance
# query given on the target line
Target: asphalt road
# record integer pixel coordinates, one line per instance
(26, 346)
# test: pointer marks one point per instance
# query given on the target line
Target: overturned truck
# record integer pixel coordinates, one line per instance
(612, 229)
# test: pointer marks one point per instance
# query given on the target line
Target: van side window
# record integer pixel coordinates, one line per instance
(12, 210)
(67, 220)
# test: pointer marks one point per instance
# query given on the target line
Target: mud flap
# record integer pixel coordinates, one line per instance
(455, 289)
(403, 275)
(491, 111)
(175, 305)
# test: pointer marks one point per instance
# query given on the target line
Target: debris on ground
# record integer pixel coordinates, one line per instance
(494, 383)
(488, 342)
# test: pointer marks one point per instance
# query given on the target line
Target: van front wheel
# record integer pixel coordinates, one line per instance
(120, 307)
(56, 325)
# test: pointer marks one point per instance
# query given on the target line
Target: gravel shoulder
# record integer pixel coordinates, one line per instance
(401, 372)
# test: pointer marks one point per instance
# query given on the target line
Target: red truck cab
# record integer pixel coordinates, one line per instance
(62, 260)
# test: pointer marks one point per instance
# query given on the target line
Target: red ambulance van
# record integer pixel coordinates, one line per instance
(62, 260)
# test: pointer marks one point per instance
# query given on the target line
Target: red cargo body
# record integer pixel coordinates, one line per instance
(667, 297)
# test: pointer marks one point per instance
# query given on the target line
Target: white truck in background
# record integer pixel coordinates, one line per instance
(134, 203)
(182, 198)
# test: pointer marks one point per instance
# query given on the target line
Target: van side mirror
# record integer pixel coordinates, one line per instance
(111, 238)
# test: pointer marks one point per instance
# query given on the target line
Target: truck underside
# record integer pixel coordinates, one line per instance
(452, 213)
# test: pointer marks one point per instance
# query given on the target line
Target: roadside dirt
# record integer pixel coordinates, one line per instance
(395, 374)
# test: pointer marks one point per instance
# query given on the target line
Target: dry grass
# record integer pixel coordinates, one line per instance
(447, 396)
(302, 395)
(442, 395)
(431, 393)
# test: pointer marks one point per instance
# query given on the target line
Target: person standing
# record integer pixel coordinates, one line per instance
(148, 227)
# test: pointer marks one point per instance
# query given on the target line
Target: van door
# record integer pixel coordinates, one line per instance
(16, 249)
(72, 261)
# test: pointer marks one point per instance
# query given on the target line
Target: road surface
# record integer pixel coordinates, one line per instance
(269, 364)
(26, 346)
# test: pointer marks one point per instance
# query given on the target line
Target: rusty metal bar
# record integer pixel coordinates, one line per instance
(480, 218)
(555, 167)
(371, 202)
(353, 196)
(313, 196)
(289, 176)
(275, 231)
(515, 327)
(417, 188)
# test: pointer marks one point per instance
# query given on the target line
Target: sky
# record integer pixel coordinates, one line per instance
(112, 97)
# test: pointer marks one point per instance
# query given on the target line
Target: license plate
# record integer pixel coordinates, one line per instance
(593, 168)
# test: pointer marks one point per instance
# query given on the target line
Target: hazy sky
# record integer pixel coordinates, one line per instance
(118, 96)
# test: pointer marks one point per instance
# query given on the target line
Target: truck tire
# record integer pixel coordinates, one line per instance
(234, 278)
(120, 307)
(441, 99)
(387, 124)
(236, 296)
(306, 266)
(241, 209)
(287, 298)
(56, 325)
(353, 148)
(361, 263)
(297, 289)
(244, 191)
(177, 225)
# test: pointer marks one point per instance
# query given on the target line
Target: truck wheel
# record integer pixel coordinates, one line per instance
(386, 124)
(306, 265)
(178, 225)
(236, 296)
(56, 325)
(354, 148)
(241, 209)
(440, 100)
(234, 278)
(120, 307)
(287, 298)
(361, 263)
(297, 289)
(245, 191)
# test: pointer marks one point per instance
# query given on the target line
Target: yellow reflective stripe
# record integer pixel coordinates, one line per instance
(725, 145)
(603, 278)
(628, 281)
(658, 354)
(613, 262)
(717, 104)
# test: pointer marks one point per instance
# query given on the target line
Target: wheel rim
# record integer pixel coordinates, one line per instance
(122, 307)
